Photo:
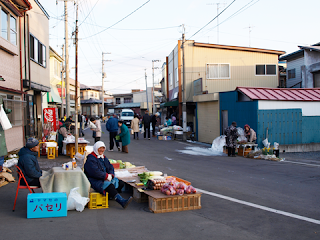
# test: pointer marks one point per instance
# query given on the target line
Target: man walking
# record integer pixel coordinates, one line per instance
(153, 122)
(146, 123)
(112, 127)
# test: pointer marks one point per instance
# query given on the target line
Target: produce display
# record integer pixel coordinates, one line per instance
(144, 177)
(123, 165)
(155, 184)
(173, 187)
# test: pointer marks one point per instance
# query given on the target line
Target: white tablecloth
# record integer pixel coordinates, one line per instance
(59, 180)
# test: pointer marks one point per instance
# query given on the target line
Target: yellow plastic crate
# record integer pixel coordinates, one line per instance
(97, 201)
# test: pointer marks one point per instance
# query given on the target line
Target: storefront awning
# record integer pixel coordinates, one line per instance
(53, 95)
(170, 104)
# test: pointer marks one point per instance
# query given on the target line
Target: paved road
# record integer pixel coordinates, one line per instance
(243, 199)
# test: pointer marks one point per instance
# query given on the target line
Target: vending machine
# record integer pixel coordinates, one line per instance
(50, 115)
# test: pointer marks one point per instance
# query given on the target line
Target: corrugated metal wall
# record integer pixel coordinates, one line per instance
(241, 112)
(284, 126)
(208, 124)
(310, 129)
(295, 64)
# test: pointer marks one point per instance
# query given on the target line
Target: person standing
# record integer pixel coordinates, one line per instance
(135, 126)
(231, 133)
(96, 130)
(3, 146)
(80, 123)
(112, 128)
(62, 133)
(28, 162)
(146, 124)
(125, 136)
(153, 123)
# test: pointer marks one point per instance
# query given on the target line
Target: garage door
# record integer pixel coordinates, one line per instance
(208, 121)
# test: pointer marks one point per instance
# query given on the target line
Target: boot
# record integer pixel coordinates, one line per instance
(123, 202)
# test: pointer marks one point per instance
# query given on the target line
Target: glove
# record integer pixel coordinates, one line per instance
(109, 177)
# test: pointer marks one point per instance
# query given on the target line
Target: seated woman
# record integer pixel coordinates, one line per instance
(250, 134)
(168, 122)
(28, 163)
(100, 173)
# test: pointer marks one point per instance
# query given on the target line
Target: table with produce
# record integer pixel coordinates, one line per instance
(164, 193)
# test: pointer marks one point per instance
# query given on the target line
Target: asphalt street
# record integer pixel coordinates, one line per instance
(242, 199)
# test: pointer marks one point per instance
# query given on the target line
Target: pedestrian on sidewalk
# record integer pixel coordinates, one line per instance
(28, 163)
(154, 122)
(125, 136)
(96, 131)
(80, 123)
(146, 124)
(135, 126)
(231, 133)
(100, 174)
(112, 128)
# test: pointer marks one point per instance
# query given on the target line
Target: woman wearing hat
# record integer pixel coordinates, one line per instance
(100, 173)
(28, 162)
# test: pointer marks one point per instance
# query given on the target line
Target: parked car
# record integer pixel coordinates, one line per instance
(127, 116)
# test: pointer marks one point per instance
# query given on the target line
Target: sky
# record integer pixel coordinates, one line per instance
(135, 32)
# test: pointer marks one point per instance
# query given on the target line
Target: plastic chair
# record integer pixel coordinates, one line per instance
(21, 176)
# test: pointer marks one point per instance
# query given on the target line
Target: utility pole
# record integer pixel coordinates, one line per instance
(184, 104)
(62, 88)
(67, 58)
(76, 74)
(153, 103)
(145, 74)
(103, 76)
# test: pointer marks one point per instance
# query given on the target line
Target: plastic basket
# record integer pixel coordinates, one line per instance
(98, 201)
(180, 180)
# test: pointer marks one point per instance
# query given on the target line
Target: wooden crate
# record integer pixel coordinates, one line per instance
(163, 204)
(246, 151)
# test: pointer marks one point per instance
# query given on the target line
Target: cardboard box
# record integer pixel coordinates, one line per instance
(45, 205)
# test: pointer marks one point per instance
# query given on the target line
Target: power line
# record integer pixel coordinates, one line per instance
(121, 19)
(213, 18)
(89, 12)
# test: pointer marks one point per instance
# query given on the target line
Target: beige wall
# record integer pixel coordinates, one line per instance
(14, 138)
(242, 68)
(208, 121)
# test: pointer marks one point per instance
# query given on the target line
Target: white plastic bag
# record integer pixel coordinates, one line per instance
(75, 201)
(242, 136)
(266, 143)
(276, 145)
(4, 120)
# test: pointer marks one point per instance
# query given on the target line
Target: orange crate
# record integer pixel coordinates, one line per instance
(175, 203)
(116, 165)
(180, 180)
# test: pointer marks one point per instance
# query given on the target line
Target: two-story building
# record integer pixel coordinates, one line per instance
(11, 74)
(213, 68)
(90, 100)
(303, 67)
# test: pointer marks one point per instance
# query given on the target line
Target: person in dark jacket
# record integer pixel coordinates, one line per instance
(146, 124)
(112, 128)
(154, 122)
(62, 134)
(28, 162)
(125, 136)
(231, 133)
(100, 173)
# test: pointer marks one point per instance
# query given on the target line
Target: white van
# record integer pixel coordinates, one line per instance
(127, 116)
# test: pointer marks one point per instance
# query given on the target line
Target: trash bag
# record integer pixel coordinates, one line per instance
(265, 143)
(76, 201)
(242, 136)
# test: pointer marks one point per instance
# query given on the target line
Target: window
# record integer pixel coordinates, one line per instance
(56, 68)
(170, 79)
(218, 71)
(4, 24)
(263, 69)
(91, 94)
(13, 30)
(117, 100)
(81, 94)
(292, 73)
(177, 76)
(127, 100)
(37, 51)
(16, 106)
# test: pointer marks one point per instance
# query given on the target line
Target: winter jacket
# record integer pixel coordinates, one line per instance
(28, 163)
(153, 120)
(146, 120)
(62, 133)
(135, 124)
(125, 135)
(95, 172)
(112, 124)
(97, 130)
(231, 133)
(252, 136)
